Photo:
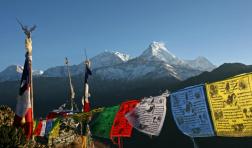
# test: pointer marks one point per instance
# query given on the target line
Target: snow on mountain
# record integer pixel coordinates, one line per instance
(158, 52)
(155, 62)
(61, 71)
(123, 57)
(134, 69)
(108, 58)
(37, 72)
(201, 63)
(103, 59)
(14, 72)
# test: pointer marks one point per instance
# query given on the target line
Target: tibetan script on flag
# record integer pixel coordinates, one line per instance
(190, 112)
(230, 102)
(148, 116)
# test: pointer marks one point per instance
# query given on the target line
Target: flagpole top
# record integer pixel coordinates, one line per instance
(27, 31)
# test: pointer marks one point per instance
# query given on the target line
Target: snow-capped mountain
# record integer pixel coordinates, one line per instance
(104, 59)
(201, 63)
(158, 52)
(155, 62)
(14, 72)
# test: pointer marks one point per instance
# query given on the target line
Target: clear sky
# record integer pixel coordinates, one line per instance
(220, 30)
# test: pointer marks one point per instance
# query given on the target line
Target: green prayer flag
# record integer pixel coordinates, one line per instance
(35, 124)
(102, 123)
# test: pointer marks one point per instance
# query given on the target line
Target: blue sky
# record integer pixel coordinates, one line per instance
(220, 30)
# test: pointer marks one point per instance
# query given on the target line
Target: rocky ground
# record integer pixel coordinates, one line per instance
(6, 115)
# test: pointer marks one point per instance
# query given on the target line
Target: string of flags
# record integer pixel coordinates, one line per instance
(114, 122)
(222, 108)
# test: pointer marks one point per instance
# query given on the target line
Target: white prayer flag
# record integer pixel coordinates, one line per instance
(148, 116)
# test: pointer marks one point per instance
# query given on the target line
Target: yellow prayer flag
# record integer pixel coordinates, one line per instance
(55, 130)
(230, 103)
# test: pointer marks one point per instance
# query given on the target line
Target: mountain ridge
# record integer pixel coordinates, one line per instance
(154, 62)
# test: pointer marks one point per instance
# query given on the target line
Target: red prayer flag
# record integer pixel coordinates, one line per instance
(29, 123)
(121, 126)
(86, 106)
(56, 113)
(38, 128)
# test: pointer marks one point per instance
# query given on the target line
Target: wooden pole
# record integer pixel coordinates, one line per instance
(31, 82)
(72, 94)
(86, 87)
(28, 47)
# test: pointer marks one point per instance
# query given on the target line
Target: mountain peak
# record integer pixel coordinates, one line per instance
(12, 72)
(201, 63)
(157, 51)
(201, 58)
(124, 57)
(157, 48)
(104, 59)
(116, 54)
(158, 45)
(12, 68)
(108, 58)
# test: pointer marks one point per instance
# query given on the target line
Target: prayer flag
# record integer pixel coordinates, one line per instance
(190, 112)
(101, 125)
(230, 103)
(148, 116)
(121, 126)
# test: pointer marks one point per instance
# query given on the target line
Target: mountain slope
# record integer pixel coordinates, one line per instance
(101, 60)
(224, 71)
(14, 72)
(201, 63)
